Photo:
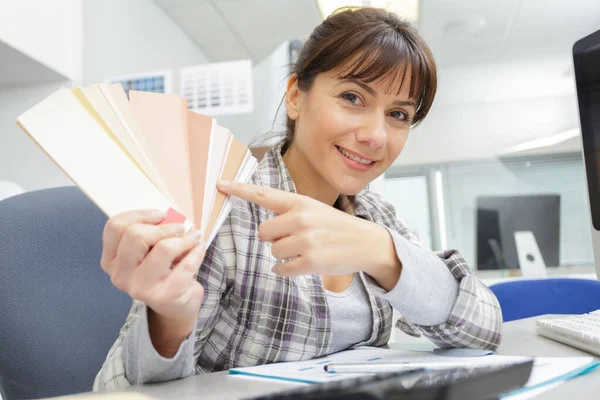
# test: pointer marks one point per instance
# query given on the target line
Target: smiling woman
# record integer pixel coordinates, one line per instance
(308, 262)
(363, 77)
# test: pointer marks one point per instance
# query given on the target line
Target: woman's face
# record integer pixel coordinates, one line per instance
(349, 132)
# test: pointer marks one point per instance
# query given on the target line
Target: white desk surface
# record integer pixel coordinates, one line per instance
(519, 338)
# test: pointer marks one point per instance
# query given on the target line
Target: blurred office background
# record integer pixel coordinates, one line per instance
(503, 133)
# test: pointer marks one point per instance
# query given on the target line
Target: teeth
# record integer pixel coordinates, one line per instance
(353, 157)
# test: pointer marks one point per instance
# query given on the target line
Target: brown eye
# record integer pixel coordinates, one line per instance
(351, 98)
(399, 115)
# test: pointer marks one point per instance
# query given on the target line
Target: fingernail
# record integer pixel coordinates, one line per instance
(224, 184)
(275, 270)
(201, 246)
(178, 229)
(196, 236)
(158, 215)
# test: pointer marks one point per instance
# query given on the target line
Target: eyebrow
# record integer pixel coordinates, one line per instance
(373, 93)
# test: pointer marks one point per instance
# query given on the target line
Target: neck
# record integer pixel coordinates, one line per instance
(307, 181)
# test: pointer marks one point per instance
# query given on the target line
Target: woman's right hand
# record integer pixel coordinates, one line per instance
(155, 264)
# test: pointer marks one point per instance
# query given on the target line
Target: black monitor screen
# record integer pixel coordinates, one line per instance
(586, 60)
(499, 217)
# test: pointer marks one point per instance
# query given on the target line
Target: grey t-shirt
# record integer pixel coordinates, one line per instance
(351, 319)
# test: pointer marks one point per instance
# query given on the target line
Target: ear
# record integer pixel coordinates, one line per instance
(293, 98)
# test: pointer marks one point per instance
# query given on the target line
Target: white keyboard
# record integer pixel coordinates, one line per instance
(581, 331)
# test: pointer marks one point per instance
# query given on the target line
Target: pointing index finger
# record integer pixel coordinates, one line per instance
(269, 198)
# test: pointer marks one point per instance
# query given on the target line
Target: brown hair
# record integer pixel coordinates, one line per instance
(385, 47)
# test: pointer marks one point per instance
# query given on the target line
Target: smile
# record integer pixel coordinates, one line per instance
(353, 157)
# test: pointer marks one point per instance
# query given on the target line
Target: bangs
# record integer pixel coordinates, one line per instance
(394, 60)
(371, 45)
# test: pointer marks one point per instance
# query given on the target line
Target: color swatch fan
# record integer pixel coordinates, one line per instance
(145, 152)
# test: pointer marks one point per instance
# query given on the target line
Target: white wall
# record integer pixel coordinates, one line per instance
(47, 31)
(21, 161)
(270, 81)
(119, 37)
(133, 36)
(481, 130)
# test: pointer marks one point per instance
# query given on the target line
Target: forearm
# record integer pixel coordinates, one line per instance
(414, 280)
(168, 334)
(476, 318)
(438, 293)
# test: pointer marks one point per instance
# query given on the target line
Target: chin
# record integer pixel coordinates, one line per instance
(350, 187)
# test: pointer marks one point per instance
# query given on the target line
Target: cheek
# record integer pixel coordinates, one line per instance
(396, 144)
(328, 121)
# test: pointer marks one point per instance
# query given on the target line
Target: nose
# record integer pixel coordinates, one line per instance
(374, 133)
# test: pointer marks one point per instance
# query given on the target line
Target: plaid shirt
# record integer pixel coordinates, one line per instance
(250, 316)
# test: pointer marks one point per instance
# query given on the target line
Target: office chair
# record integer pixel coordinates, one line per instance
(59, 313)
(529, 298)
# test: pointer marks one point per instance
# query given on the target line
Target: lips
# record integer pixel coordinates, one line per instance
(355, 157)
(355, 162)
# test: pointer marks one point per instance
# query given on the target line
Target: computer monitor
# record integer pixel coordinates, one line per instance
(586, 60)
(499, 217)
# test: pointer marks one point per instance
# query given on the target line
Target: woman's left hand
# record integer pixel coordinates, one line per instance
(316, 238)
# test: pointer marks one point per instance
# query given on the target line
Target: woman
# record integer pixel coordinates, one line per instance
(308, 262)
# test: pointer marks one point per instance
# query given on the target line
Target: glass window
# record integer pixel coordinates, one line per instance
(563, 175)
(410, 197)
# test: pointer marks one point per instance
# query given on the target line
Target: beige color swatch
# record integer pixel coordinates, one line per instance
(235, 158)
(220, 140)
(163, 122)
(199, 133)
(243, 175)
(84, 150)
(117, 98)
(101, 106)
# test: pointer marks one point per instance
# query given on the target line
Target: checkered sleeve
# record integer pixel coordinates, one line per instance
(112, 373)
(475, 319)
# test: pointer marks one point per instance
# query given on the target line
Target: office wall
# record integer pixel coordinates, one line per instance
(558, 174)
(21, 161)
(270, 80)
(119, 37)
(124, 37)
(478, 131)
(47, 31)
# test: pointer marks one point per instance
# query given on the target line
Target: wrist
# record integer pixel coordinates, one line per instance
(167, 333)
(385, 266)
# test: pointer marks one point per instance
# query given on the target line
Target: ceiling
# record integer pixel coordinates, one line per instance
(486, 50)
(498, 50)
(505, 74)
(18, 69)
(242, 29)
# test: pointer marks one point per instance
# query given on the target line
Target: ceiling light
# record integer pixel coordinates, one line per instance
(407, 9)
(464, 26)
(546, 141)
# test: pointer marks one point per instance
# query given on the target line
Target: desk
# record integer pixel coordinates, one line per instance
(519, 340)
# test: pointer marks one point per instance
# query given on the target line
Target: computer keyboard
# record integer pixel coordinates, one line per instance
(581, 331)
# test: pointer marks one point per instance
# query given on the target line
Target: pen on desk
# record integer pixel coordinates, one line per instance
(374, 368)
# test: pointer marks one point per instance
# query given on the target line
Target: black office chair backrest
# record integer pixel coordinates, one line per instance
(59, 313)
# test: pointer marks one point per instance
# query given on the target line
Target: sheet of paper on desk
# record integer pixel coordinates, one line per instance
(547, 371)
(312, 371)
